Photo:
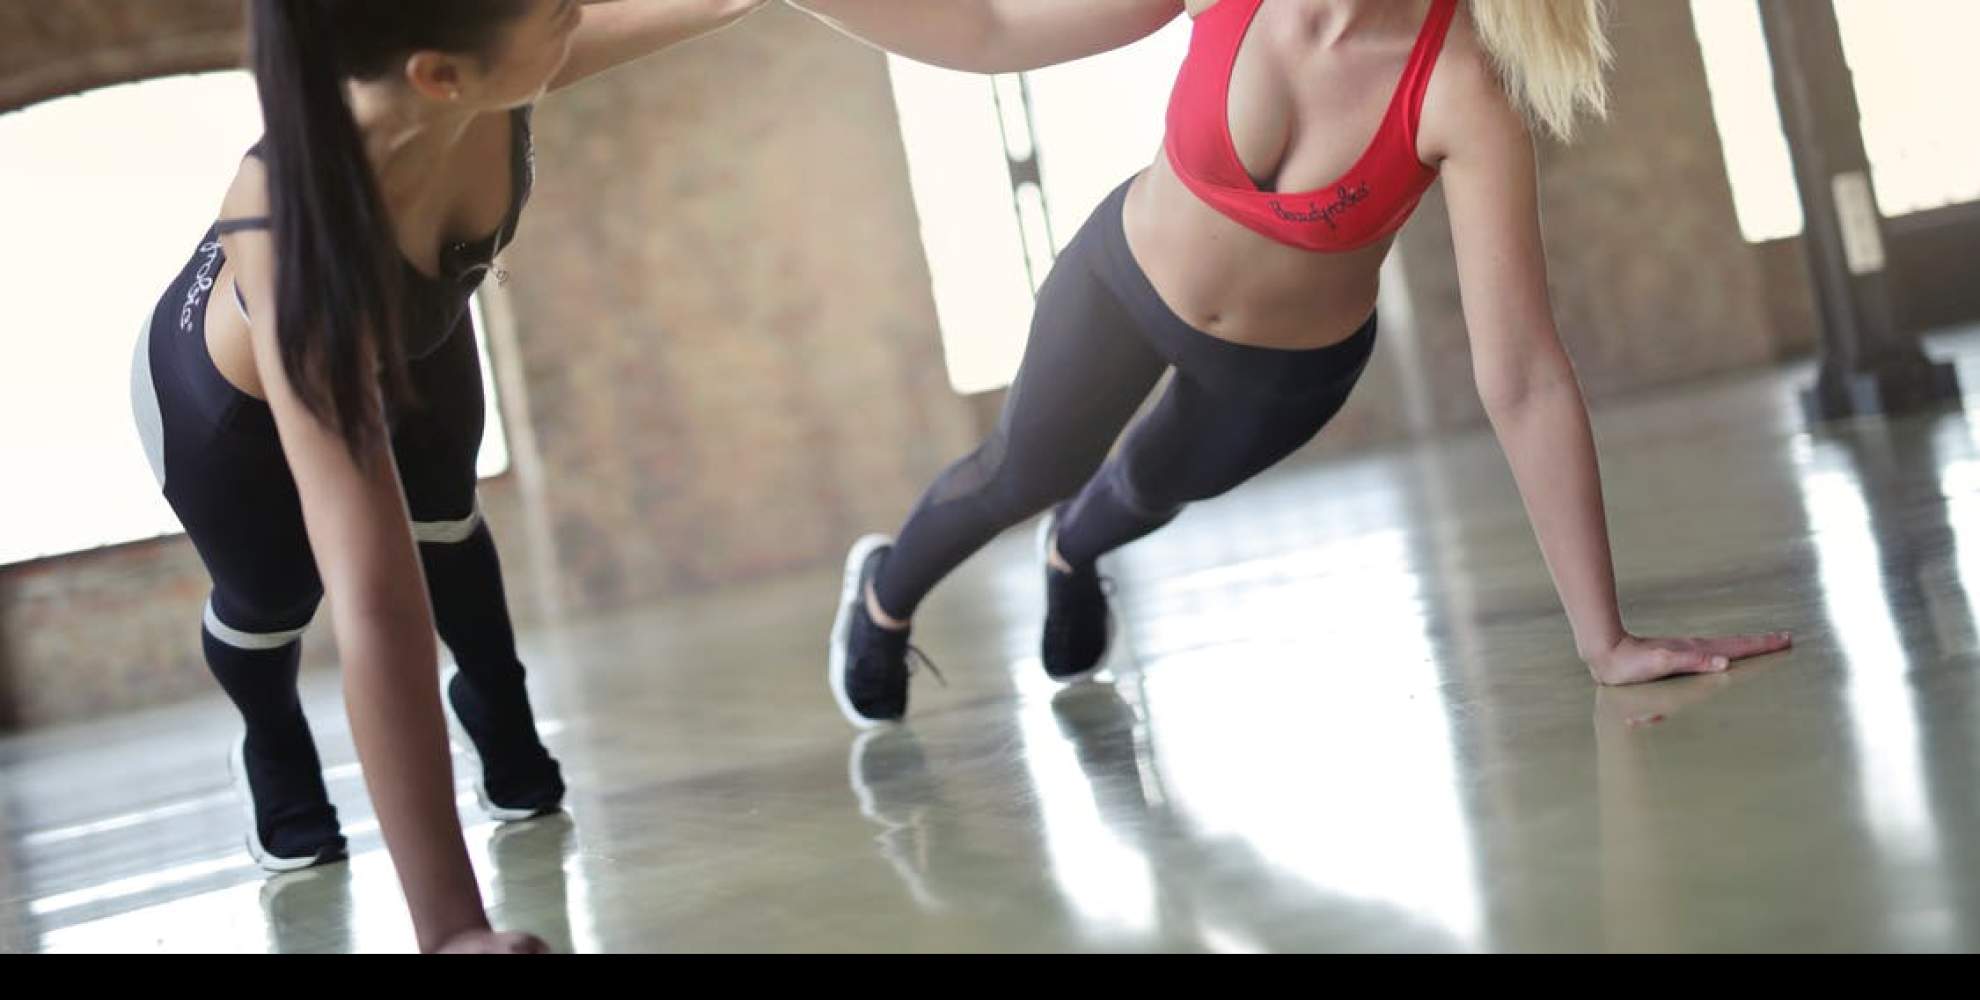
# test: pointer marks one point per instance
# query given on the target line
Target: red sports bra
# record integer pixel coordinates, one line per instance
(1373, 199)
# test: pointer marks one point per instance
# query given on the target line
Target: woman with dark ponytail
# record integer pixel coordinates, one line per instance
(317, 433)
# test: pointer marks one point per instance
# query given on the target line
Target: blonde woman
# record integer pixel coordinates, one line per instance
(1301, 135)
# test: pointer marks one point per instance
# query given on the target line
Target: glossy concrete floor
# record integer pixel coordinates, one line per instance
(1352, 719)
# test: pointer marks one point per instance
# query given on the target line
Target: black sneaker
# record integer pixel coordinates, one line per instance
(519, 778)
(291, 823)
(868, 668)
(1079, 626)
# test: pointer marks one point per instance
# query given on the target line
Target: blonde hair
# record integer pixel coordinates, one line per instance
(1551, 55)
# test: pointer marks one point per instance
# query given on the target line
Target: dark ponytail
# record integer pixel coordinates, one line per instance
(337, 266)
(336, 291)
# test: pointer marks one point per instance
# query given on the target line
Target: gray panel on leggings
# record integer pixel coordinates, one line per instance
(144, 406)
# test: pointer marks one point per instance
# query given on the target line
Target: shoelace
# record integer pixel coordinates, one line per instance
(914, 655)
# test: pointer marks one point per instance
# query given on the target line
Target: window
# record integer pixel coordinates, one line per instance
(991, 221)
(1919, 87)
(1915, 86)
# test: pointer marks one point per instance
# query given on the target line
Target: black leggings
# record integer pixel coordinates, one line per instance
(215, 452)
(1101, 339)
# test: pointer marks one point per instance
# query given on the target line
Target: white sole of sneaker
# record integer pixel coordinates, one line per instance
(460, 737)
(263, 858)
(1047, 525)
(850, 600)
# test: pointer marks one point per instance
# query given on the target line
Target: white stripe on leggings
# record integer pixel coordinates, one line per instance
(449, 532)
(251, 641)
